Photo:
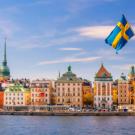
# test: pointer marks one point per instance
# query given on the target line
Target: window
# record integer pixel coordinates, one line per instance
(78, 99)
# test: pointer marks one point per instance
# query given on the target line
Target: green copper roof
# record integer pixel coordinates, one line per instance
(15, 88)
(4, 69)
(69, 76)
(132, 70)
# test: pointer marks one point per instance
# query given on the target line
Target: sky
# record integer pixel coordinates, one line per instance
(45, 36)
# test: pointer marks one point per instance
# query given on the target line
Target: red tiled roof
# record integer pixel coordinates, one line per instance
(103, 71)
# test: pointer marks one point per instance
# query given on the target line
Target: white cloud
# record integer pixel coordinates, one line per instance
(41, 42)
(125, 67)
(99, 32)
(71, 49)
(69, 60)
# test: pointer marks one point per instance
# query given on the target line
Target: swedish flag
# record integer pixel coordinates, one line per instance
(120, 35)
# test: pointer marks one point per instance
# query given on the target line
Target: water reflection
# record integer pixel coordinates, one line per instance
(66, 125)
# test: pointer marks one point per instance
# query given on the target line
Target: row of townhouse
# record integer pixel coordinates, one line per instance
(67, 90)
(109, 94)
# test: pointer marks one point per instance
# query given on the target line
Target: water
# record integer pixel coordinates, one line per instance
(66, 125)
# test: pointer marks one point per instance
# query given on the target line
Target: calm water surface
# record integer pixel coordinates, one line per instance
(66, 125)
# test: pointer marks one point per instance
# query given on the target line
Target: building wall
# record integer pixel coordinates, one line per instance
(1, 99)
(40, 92)
(103, 91)
(69, 93)
(123, 93)
(14, 98)
(27, 98)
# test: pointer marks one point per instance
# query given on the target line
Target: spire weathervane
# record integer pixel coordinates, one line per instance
(5, 54)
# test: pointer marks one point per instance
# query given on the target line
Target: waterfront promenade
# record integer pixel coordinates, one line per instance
(26, 113)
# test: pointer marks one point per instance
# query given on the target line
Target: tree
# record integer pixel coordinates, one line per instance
(115, 96)
(88, 99)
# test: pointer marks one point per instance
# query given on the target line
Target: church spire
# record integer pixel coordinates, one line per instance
(5, 54)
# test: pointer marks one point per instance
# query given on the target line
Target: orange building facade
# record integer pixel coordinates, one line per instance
(1, 96)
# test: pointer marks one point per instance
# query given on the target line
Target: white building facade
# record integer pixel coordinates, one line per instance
(14, 95)
(103, 89)
(68, 90)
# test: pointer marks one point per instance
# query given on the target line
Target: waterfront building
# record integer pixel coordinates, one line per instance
(15, 95)
(131, 79)
(1, 96)
(53, 93)
(4, 69)
(41, 92)
(131, 75)
(103, 89)
(87, 93)
(123, 90)
(68, 89)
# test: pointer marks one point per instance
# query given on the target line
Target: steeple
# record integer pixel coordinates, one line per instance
(4, 69)
(5, 54)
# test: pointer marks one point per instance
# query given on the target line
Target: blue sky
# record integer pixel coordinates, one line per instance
(45, 36)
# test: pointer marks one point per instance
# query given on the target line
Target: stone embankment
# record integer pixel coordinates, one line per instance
(68, 113)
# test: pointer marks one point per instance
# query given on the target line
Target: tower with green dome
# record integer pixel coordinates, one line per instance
(4, 69)
(131, 75)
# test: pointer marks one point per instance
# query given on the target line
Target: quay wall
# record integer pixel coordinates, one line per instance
(68, 113)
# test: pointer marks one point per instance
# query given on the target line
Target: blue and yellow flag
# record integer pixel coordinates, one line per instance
(120, 35)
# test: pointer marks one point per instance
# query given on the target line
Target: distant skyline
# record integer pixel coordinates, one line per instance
(45, 36)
